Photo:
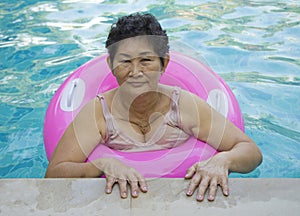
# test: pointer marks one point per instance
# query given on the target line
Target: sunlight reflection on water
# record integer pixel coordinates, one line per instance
(254, 46)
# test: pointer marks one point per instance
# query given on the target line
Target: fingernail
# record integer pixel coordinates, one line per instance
(200, 197)
(189, 192)
(210, 197)
(108, 190)
(145, 188)
(124, 195)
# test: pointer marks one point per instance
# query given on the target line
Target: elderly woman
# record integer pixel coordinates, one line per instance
(141, 115)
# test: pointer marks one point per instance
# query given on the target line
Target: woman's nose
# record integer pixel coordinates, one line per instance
(135, 70)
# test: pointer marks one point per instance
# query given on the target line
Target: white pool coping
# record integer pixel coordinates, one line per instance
(165, 197)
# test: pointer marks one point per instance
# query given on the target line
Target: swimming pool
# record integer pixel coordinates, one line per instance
(254, 46)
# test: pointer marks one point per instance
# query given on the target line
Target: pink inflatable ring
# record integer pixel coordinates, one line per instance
(95, 77)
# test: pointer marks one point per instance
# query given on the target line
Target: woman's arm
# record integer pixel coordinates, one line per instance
(80, 138)
(78, 141)
(238, 153)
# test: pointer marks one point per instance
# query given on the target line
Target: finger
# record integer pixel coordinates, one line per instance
(133, 186)
(190, 172)
(224, 185)
(110, 181)
(202, 188)
(142, 182)
(123, 187)
(213, 187)
(193, 184)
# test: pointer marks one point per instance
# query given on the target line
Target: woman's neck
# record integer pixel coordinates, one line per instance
(141, 110)
(141, 106)
(145, 104)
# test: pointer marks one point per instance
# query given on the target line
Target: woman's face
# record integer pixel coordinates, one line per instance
(136, 65)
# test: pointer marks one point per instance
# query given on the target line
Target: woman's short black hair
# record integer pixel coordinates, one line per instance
(138, 24)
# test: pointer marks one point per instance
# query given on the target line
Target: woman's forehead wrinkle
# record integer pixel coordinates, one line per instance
(143, 53)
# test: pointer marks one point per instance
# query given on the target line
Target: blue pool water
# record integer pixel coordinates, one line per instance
(253, 45)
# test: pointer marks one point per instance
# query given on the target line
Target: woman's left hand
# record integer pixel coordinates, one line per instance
(207, 175)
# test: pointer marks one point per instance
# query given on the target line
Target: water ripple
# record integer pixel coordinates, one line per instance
(254, 45)
(256, 77)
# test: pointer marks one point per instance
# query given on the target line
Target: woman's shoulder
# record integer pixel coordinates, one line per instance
(108, 94)
(186, 98)
(108, 98)
(94, 108)
(91, 109)
(191, 103)
(167, 89)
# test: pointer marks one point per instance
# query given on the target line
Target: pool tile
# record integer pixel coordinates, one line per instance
(165, 197)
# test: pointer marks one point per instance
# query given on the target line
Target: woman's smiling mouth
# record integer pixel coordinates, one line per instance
(136, 83)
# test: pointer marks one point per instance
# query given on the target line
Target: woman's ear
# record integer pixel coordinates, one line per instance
(109, 64)
(166, 62)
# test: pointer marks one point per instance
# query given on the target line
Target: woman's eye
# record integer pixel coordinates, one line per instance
(146, 59)
(125, 61)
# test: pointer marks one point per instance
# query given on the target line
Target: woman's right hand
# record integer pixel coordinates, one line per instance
(117, 172)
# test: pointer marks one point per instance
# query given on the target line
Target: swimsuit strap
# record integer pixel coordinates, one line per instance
(175, 114)
(107, 115)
